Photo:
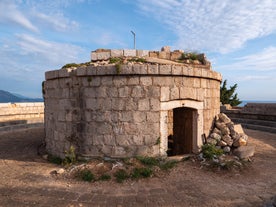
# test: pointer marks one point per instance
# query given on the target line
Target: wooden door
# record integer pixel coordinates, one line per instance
(182, 130)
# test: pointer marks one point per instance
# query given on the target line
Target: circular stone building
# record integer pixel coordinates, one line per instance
(131, 102)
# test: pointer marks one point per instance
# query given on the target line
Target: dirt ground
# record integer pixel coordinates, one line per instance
(25, 180)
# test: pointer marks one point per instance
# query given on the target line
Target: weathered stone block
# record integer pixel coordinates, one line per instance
(106, 70)
(153, 69)
(138, 140)
(164, 55)
(139, 69)
(126, 116)
(177, 70)
(109, 139)
(142, 53)
(63, 73)
(188, 93)
(117, 53)
(118, 104)
(196, 82)
(131, 104)
(174, 93)
(91, 81)
(153, 92)
(137, 92)
(90, 92)
(176, 55)
(103, 55)
(51, 74)
(98, 140)
(129, 52)
(154, 104)
(124, 91)
(125, 69)
(165, 69)
(153, 54)
(81, 71)
(143, 105)
(139, 116)
(145, 81)
(119, 152)
(165, 93)
(94, 56)
(200, 94)
(166, 49)
(91, 70)
(104, 128)
(124, 140)
(91, 103)
(106, 81)
(133, 81)
(153, 117)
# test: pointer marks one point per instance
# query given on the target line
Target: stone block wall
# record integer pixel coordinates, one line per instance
(21, 111)
(21, 115)
(103, 112)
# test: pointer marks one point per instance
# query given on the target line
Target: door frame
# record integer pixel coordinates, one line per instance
(197, 125)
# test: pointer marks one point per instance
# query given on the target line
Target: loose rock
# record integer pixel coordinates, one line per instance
(226, 149)
(244, 152)
(215, 136)
(224, 118)
(227, 139)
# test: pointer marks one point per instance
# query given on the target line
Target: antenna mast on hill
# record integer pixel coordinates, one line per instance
(134, 38)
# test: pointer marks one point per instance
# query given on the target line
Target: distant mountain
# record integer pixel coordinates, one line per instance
(6, 97)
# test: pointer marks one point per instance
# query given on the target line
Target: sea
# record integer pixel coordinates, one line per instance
(243, 103)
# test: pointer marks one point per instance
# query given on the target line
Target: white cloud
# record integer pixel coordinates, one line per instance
(55, 52)
(9, 13)
(27, 57)
(214, 25)
(262, 61)
(56, 21)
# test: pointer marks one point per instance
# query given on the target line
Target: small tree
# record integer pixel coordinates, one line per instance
(228, 96)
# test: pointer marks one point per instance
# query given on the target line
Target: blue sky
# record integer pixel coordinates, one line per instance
(238, 37)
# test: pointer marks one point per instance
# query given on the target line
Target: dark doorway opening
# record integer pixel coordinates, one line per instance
(181, 140)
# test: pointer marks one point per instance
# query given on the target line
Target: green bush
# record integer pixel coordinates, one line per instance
(141, 60)
(69, 65)
(193, 56)
(121, 175)
(115, 60)
(210, 151)
(150, 161)
(105, 177)
(55, 159)
(141, 173)
(87, 175)
(168, 165)
(70, 156)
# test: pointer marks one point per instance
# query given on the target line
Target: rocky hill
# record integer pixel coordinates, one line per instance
(6, 97)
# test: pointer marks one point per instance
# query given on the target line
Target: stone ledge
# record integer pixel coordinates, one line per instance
(137, 69)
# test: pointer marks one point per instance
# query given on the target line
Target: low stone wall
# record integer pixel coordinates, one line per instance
(254, 111)
(20, 115)
(258, 116)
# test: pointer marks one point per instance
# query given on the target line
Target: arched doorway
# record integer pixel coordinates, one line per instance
(181, 127)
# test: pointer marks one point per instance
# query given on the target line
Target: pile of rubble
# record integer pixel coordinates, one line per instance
(226, 135)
